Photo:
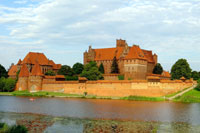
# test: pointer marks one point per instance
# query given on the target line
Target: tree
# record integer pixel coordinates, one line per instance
(181, 69)
(195, 75)
(158, 69)
(114, 67)
(65, 70)
(50, 73)
(3, 72)
(77, 68)
(91, 71)
(101, 68)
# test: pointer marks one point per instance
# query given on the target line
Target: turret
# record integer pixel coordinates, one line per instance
(155, 58)
(23, 78)
(35, 79)
(121, 43)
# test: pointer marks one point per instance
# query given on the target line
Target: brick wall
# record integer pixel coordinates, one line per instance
(117, 88)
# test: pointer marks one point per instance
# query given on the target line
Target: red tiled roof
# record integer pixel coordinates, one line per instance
(60, 76)
(32, 58)
(24, 71)
(108, 53)
(148, 55)
(36, 71)
(135, 53)
(19, 62)
(166, 74)
(13, 70)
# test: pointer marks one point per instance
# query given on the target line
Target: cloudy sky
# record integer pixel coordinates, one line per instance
(63, 29)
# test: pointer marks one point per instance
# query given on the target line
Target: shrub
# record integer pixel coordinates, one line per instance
(50, 73)
(7, 85)
(121, 77)
(72, 78)
(17, 129)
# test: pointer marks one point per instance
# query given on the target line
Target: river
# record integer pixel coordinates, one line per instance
(93, 115)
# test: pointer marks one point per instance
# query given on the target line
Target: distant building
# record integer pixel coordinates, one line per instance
(30, 60)
(133, 62)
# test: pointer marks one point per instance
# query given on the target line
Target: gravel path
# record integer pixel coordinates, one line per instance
(181, 93)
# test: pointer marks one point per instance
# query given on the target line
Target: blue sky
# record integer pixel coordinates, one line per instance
(63, 29)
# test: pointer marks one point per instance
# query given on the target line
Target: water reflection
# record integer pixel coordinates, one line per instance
(104, 109)
(50, 124)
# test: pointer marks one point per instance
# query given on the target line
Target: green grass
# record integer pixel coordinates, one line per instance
(192, 96)
(141, 98)
(173, 94)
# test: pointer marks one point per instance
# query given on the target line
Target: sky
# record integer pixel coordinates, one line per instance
(64, 29)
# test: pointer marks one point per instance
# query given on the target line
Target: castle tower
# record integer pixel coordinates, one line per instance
(121, 43)
(23, 78)
(35, 79)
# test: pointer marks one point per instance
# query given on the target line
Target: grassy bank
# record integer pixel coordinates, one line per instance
(4, 128)
(192, 96)
(59, 94)
(141, 98)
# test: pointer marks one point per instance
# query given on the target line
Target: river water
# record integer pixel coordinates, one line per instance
(92, 115)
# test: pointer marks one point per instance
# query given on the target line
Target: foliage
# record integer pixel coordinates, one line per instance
(121, 77)
(7, 85)
(50, 73)
(114, 67)
(141, 98)
(181, 69)
(71, 78)
(158, 69)
(77, 68)
(195, 75)
(3, 72)
(4, 128)
(101, 68)
(65, 70)
(91, 71)
(17, 129)
(17, 75)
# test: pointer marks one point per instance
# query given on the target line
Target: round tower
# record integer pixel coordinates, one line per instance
(23, 78)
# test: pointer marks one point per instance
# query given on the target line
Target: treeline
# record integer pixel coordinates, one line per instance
(91, 71)
(6, 84)
(180, 69)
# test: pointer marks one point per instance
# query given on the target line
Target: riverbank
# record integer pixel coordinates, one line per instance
(192, 96)
(63, 95)
(189, 97)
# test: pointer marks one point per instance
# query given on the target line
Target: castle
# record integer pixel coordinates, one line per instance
(32, 71)
(30, 60)
(133, 62)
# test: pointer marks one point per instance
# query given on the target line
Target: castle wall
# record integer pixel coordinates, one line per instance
(34, 83)
(22, 84)
(117, 88)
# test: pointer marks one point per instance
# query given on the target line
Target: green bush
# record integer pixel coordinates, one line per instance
(72, 78)
(7, 85)
(17, 129)
(121, 77)
(2, 125)
(50, 73)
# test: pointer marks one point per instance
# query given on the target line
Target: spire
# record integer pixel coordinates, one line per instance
(24, 71)
(19, 62)
(36, 70)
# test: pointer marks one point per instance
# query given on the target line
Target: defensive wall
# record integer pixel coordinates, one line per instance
(118, 88)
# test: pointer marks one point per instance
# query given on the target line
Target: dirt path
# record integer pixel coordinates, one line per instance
(181, 93)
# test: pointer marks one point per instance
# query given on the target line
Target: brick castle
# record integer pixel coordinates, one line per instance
(133, 62)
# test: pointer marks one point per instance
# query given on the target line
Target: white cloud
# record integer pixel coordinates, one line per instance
(166, 27)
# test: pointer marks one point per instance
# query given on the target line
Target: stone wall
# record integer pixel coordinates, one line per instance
(117, 88)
